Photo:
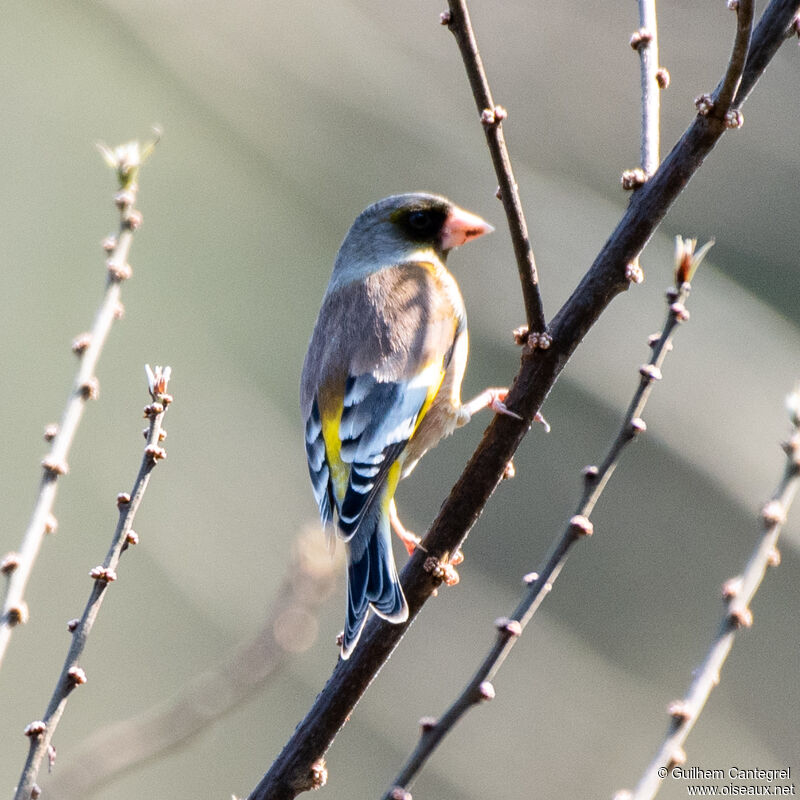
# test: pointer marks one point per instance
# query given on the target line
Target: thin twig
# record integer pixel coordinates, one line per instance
(479, 688)
(723, 97)
(288, 629)
(492, 116)
(41, 732)
(125, 161)
(298, 767)
(645, 42)
(738, 592)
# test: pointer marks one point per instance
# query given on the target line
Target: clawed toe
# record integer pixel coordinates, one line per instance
(540, 419)
(450, 576)
(497, 398)
(411, 542)
(499, 407)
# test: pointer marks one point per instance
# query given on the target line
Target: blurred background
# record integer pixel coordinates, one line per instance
(281, 122)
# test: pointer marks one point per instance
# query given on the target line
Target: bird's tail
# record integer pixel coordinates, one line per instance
(371, 577)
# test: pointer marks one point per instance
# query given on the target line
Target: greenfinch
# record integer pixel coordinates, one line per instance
(381, 383)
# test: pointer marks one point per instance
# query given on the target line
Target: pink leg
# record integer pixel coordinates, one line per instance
(410, 540)
(446, 570)
(494, 399)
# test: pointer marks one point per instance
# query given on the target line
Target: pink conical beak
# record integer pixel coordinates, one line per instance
(461, 226)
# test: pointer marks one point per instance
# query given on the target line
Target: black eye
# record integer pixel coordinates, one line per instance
(421, 221)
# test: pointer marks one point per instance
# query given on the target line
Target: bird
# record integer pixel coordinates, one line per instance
(381, 383)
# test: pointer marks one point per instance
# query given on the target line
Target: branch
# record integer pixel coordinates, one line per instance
(492, 116)
(645, 42)
(299, 767)
(738, 592)
(289, 628)
(763, 48)
(41, 732)
(723, 97)
(509, 629)
(125, 160)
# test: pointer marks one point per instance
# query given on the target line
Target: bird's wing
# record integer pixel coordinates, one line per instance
(376, 360)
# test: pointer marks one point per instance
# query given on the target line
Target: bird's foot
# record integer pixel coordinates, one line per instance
(489, 398)
(497, 402)
(409, 539)
(545, 424)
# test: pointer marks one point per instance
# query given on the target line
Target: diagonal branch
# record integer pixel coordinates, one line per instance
(492, 116)
(738, 592)
(299, 766)
(509, 629)
(763, 48)
(125, 161)
(40, 733)
(289, 628)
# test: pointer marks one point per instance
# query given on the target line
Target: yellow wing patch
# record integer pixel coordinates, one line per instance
(392, 478)
(331, 416)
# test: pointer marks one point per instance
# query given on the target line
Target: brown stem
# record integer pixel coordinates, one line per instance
(723, 97)
(458, 20)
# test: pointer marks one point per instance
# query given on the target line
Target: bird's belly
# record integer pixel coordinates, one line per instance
(440, 421)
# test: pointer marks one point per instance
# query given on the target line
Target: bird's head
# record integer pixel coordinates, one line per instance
(406, 227)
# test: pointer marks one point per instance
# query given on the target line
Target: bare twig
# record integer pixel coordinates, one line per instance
(299, 766)
(125, 161)
(289, 628)
(41, 732)
(738, 592)
(645, 42)
(492, 116)
(723, 97)
(479, 688)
